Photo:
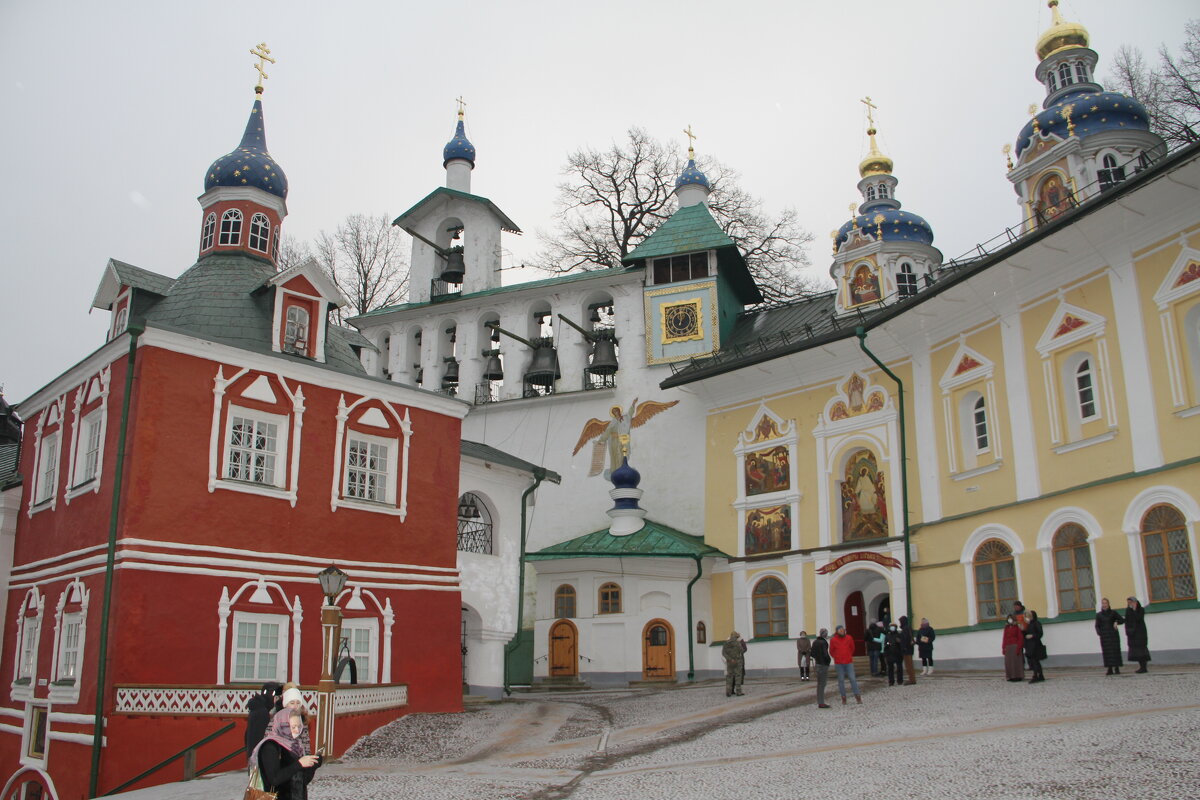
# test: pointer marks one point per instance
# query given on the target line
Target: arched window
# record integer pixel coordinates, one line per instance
(770, 608)
(275, 246)
(1168, 555)
(295, 333)
(883, 191)
(610, 599)
(1051, 81)
(1081, 72)
(474, 525)
(701, 633)
(1073, 569)
(906, 280)
(210, 230)
(1085, 390)
(870, 193)
(231, 227)
(1064, 74)
(995, 579)
(979, 424)
(1109, 174)
(564, 601)
(260, 232)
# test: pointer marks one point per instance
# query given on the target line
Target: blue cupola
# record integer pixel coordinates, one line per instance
(250, 165)
(692, 186)
(460, 146)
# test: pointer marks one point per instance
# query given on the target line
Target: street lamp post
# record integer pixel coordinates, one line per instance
(333, 581)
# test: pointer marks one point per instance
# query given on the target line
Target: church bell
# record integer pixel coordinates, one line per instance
(455, 269)
(544, 369)
(493, 370)
(604, 357)
(450, 378)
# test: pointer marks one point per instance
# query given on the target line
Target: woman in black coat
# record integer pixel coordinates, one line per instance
(1035, 651)
(261, 708)
(1107, 621)
(1136, 635)
(282, 763)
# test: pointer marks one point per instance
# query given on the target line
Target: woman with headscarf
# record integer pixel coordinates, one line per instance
(925, 636)
(1035, 651)
(804, 654)
(283, 766)
(1011, 646)
(1107, 621)
(1136, 635)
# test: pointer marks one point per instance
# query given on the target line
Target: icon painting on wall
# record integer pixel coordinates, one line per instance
(864, 504)
(767, 471)
(768, 529)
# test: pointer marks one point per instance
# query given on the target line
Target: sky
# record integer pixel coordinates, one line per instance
(113, 111)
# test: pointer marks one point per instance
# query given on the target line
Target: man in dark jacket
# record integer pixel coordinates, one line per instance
(734, 653)
(261, 708)
(906, 649)
(874, 646)
(820, 657)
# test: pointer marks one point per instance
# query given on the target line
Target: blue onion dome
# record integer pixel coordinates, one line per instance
(1090, 112)
(625, 476)
(250, 164)
(459, 147)
(895, 226)
(691, 176)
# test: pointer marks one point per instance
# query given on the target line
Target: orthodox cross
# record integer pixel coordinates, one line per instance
(263, 54)
(462, 105)
(866, 101)
(691, 141)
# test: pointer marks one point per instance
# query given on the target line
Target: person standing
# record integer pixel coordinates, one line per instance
(820, 657)
(283, 764)
(925, 636)
(803, 654)
(841, 648)
(734, 653)
(892, 656)
(874, 639)
(1107, 621)
(906, 649)
(1136, 635)
(262, 707)
(1011, 647)
(1035, 651)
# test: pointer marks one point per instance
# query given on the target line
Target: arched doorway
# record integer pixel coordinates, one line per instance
(855, 620)
(658, 651)
(564, 649)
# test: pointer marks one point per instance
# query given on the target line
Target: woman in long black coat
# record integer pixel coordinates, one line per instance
(1035, 651)
(1107, 621)
(1136, 635)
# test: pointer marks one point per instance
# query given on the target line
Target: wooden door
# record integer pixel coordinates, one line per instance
(855, 616)
(564, 649)
(658, 651)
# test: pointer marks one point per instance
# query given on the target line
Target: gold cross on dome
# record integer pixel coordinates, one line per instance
(691, 141)
(866, 101)
(263, 54)
(462, 105)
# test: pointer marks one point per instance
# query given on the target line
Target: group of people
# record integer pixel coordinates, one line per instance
(277, 742)
(1022, 639)
(890, 649)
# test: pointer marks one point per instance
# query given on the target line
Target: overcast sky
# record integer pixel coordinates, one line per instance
(112, 112)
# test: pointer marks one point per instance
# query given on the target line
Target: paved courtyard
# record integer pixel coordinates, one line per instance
(1080, 735)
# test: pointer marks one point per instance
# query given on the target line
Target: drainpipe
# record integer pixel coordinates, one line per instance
(690, 637)
(539, 475)
(861, 333)
(110, 561)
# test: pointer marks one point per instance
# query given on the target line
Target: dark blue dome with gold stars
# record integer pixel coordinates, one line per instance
(1091, 112)
(896, 226)
(691, 176)
(250, 164)
(459, 147)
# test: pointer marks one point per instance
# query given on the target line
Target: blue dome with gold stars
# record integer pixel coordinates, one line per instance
(250, 164)
(691, 176)
(896, 226)
(459, 147)
(1091, 112)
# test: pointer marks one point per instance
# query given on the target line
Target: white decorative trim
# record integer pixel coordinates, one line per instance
(198, 701)
(98, 386)
(58, 692)
(951, 380)
(355, 700)
(1167, 293)
(1188, 412)
(260, 389)
(397, 504)
(971, 473)
(1093, 327)
(1045, 543)
(1088, 442)
(1132, 525)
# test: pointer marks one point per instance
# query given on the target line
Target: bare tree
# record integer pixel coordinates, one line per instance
(292, 252)
(364, 256)
(613, 199)
(1170, 92)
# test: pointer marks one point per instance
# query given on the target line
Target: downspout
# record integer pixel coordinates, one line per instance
(690, 637)
(110, 561)
(861, 333)
(539, 475)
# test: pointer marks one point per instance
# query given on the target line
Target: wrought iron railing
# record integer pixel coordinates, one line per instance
(188, 754)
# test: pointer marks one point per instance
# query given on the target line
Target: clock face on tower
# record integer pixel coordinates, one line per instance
(681, 322)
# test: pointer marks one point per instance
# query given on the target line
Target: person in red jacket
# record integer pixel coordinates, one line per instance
(841, 647)
(1011, 646)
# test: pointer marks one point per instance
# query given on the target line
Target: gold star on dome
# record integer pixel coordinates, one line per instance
(1095, 108)
(243, 180)
(237, 172)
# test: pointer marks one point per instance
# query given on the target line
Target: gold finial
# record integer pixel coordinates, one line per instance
(878, 220)
(263, 54)
(1056, 17)
(1033, 110)
(1007, 150)
(1066, 114)
(854, 215)
(462, 105)
(691, 142)
(866, 101)
(833, 240)
(876, 163)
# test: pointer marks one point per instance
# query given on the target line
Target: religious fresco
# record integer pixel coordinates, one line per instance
(765, 429)
(1052, 198)
(864, 503)
(855, 403)
(864, 286)
(768, 529)
(767, 471)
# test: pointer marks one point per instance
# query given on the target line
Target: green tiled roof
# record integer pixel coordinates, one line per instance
(505, 223)
(653, 540)
(352, 337)
(689, 229)
(484, 452)
(140, 278)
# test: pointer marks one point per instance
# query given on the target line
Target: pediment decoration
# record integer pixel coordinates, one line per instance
(261, 389)
(855, 397)
(1182, 280)
(766, 426)
(967, 365)
(1068, 325)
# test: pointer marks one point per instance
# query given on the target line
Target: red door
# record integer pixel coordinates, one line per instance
(855, 616)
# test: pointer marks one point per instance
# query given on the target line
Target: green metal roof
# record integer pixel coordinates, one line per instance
(484, 452)
(10, 454)
(506, 224)
(689, 229)
(140, 278)
(653, 540)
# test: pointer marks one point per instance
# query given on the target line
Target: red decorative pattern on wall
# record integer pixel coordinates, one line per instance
(1069, 323)
(1190, 273)
(967, 364)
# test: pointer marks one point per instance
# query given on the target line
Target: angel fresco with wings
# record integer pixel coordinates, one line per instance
(613, 443)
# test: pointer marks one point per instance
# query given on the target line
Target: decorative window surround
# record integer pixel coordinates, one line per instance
(266, 652)
(354, 602)
(360, 635)
(1071, 326)
(47, 457)
(29, 631)
(1107, 436)
(261, 593)
(1132, 526)
(1181, 283)
(35, 736)
(90, 430)
(767, 430)
(209, 231)
(1188, 412)
(1045, 543)
(396, 502)
(967, 559)
(327, 293)
(64, 687)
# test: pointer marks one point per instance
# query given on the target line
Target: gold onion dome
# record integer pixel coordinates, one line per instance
(1061, 34)
(876, 163)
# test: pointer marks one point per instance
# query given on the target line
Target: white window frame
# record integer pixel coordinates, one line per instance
(281, 462)
(1081, 72)
(388, 474)
(275, 245)
(260, 232)
(371, 626)
(1066, 74)
(29, 633)
(208, 234)
(397, 488)
(883, 192)
(1084, 371)
(26, 758)
(231, 234)
(49, 458)
(296, 330)
(906, 279)
(280, 651)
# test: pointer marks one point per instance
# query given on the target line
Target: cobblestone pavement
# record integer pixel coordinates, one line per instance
(1078, 736)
